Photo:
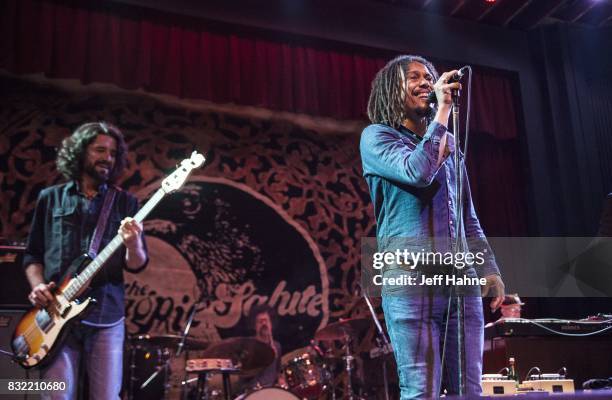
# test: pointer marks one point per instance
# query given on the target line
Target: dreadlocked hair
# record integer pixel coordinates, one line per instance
(387, 102)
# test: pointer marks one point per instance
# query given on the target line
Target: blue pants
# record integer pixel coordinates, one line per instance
(102, 349)
(415, 322)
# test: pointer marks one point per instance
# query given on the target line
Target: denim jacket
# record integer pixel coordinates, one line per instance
(413, 196)
(61, 231)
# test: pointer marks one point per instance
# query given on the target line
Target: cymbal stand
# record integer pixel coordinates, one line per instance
(202, 390)
(383, 343)
(348, 361)
(180, 347)
(166, 357)
(185, 383)
(132, 372)
(194, 310)
(329, 354)
(165, 368)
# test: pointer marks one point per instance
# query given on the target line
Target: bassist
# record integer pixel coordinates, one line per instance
(65, 219)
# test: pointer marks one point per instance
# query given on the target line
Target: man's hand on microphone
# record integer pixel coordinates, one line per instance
(443, 91)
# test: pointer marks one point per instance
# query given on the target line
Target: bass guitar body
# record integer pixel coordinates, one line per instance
(41, 330)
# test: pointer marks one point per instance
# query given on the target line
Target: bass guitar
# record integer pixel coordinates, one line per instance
(41, 330)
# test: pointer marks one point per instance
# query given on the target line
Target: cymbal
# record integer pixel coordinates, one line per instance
(168, 341)
(248, 353)
(343, 328)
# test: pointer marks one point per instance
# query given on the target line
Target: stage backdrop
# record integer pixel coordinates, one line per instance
(275, 216)
(135, 48)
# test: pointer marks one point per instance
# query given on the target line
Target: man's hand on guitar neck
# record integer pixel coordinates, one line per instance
(130, 231)
(131, 234)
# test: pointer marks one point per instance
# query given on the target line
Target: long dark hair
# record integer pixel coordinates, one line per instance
(71, 154)
(387, 102)
(262, 309)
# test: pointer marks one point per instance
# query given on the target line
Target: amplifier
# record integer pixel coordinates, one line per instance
(497, 385)
(584, 357)
(14, 287)
(549, 385)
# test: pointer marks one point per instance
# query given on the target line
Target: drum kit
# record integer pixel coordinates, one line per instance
(153, 366)
(164, 367)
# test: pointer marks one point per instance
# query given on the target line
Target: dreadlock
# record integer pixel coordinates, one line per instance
(387, 102)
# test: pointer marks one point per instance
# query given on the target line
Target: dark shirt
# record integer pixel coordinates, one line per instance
(266, 377)
(413, 196)
(269, 375)
(62, 228)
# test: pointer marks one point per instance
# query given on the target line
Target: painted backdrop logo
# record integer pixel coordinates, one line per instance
(232, 248)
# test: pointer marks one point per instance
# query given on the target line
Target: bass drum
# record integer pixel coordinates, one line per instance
(141, 363)
(270, 393)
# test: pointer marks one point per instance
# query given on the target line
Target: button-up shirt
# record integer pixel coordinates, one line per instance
(413, 191)
(62, 228)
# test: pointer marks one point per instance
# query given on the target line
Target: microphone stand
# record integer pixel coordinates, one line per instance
(383, 343)
(458, 246)
(181, 345)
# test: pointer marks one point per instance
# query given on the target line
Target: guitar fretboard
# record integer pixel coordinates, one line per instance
(82, 279)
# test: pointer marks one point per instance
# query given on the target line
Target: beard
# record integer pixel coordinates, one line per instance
(100, 175)
(425, 112)
(417, 108)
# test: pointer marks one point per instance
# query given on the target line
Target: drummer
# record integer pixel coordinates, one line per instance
(261, 321)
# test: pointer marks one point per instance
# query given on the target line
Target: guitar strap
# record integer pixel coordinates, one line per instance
(102, 220)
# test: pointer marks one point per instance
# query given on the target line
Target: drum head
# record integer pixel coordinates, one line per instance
(271, 393)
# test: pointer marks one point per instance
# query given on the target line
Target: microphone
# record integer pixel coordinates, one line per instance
(456, 77)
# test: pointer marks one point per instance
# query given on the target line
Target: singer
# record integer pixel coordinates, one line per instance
(406, 164)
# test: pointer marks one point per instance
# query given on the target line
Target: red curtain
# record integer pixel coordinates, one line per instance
(63, 41)
(93, 45)
(189, 60)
